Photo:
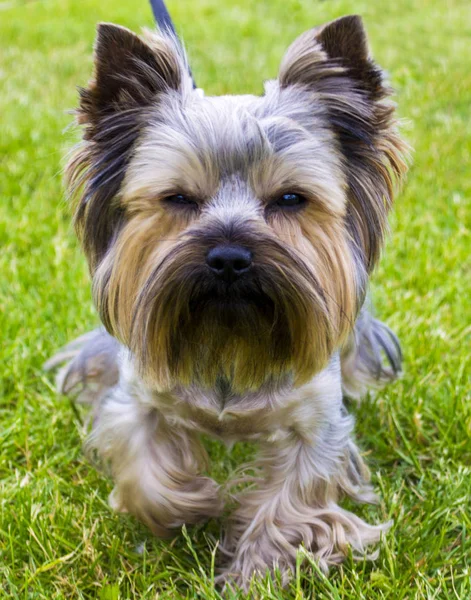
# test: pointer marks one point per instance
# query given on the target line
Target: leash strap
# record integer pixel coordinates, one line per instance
(164, 21)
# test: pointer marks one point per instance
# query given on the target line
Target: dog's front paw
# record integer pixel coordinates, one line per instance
(163, 509)
(328, 534)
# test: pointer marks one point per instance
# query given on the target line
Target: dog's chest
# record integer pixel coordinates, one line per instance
(223, 415)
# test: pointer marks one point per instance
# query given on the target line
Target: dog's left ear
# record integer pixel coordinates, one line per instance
(334, 64)
(344, 38)
(343, 41)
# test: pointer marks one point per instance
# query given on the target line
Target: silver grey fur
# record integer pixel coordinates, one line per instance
(307, 461)
(371, 358)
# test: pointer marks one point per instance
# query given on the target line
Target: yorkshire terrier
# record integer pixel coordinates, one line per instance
(230, 241)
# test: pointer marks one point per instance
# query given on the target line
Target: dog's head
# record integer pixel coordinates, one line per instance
(233, 236)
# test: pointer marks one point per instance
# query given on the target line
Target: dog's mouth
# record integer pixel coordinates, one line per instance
(233, 304)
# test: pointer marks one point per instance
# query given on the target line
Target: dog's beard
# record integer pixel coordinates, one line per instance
(237, 333)
(187, 328)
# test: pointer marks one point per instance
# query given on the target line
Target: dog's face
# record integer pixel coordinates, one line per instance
(232, 237)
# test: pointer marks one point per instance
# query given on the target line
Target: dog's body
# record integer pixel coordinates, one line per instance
(230, 242)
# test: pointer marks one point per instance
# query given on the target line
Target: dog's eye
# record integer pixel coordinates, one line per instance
(181, 200)
(289, 201)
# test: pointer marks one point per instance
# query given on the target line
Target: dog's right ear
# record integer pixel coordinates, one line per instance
(129, 72)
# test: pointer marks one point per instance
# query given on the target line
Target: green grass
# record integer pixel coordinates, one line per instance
(58, 539)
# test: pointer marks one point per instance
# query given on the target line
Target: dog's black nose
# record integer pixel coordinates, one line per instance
(229, 262)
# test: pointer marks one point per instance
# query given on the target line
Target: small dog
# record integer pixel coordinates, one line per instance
(230, 241)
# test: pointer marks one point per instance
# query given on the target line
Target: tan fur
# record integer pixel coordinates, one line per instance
(318, 325)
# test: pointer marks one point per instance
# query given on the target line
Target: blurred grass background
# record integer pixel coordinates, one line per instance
(58, 539)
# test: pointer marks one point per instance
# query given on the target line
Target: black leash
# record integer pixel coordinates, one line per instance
(164, 21)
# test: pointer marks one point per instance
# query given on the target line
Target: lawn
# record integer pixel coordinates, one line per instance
(58, 538)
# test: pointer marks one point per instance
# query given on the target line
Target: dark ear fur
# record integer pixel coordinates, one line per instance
(130, 73)
(344, 38)
(333, 61)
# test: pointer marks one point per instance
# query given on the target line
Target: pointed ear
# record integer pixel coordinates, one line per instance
(344, 38)
(342, 41)
(129, 72)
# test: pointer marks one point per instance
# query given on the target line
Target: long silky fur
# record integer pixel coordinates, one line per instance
(130, 73)
(355, 94)
(371, 358)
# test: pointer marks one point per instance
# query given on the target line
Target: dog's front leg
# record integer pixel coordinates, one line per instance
(156, 467)
(303, 475)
